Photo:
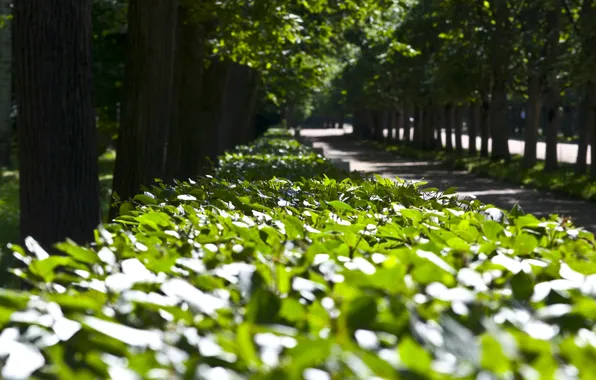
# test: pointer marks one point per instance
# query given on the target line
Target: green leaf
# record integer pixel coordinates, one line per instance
(414, 357)
(341, 206)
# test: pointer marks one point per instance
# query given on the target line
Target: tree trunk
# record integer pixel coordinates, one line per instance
(407, 114)
(246, 127)
(234, 107)
(398, 123)
(429, 120)
(500, 62)
(59, 186)
(5, 84)
(172, 170)
(183, 150)
(473, 127)
(485, 115)
(437, 128)
(459, 115)
(376, 124)
(449, 124)
(500, 138)
(417, 137)
(553, 96)
(191, 86)
(341, 121)
(553, 122)
(215, 85)
(533, 121)
(588, 59)
(148, 85)
(584, 124)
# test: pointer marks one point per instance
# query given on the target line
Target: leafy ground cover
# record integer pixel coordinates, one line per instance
(564, 180)
(279, 266)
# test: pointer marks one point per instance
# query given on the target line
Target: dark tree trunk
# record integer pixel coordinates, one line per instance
(586, 120)
(59, 187)
(377, 125)
(553, 122)
(428, 121)
(184, 144)
(473, 127)
(485, 116)
(417, 137)
(234, 108)
(148, 85)
(533, 121)
(449, 124)
(174, 132)
(398, 117)
(588, 59)
(407, 114)
(215, 85)
(500, 146)
(553, 96)
(500, 63)
(459, 116)
(437, 128)
(193, 52)
(246, 127)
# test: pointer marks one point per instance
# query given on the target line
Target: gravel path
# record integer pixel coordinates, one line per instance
(501, 194)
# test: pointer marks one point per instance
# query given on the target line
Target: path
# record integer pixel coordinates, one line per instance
(498, 193)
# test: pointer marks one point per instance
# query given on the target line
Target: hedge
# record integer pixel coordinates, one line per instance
(279, 266)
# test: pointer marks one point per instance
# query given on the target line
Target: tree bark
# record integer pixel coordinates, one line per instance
(533, 121)
(59, 186)
(173, 147)
(417, 137)
(215, 85)
(459, 115)
(584, 123)
(246, 131)
(5, 84)
(192, 66)
(377, 125)
(553, 94)
(449, 124)
(473, 127)
(485, 115)
(500, 62)
(234, 106)
(148, 85)
(407, 114)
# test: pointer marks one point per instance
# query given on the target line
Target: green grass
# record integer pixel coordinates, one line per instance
(9, 197)
(564, 180)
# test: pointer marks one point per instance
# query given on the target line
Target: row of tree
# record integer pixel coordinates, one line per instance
(470, 61)
(177, 81)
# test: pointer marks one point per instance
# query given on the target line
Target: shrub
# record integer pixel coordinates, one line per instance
(256, 272)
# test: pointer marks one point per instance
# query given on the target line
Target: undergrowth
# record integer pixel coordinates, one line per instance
(280, 266)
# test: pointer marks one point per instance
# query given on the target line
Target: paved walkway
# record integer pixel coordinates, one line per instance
(498, 193)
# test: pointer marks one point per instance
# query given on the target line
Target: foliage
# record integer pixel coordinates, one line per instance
(275, 276)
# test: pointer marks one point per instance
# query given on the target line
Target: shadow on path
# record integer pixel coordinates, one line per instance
(491, 191)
